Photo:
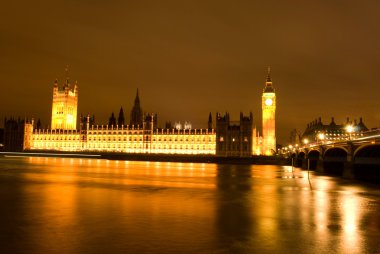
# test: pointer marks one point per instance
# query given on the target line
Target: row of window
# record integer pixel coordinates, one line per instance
(61, 110)
(115, 132)
(104, 138)
(126, 132)
(221, 139)
(345, 135)
(131, 131)
(339, 138)
(97, 138)
(54, 138)
(112, 146)
(177, 147)
(55, 145)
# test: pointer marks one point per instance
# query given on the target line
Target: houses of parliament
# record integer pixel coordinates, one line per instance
(141, 134)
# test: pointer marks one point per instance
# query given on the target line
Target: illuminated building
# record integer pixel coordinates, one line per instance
(142, 135)
(65, 106)
(234, 138)
(332, 131)
(127, 139)
(269, 117)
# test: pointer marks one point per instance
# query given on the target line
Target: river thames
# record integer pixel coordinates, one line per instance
(63, 205)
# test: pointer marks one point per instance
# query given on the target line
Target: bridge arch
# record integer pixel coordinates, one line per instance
(336, 151)
(313, 156)
(315, 153)
(334, 160)
(300, 159)
(367, 163)
(367, 150)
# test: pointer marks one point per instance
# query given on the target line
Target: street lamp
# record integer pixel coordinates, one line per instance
(349, 129)
(305, 141)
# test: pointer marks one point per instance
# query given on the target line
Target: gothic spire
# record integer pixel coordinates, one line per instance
(136, 113)
(112, 120)
(209, 121)
(137, 99)
(269, 79)
(268, 84)
(67, 74)
(120, 119)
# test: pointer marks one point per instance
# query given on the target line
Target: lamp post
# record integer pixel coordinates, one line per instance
(305, 141)
(349, 130)
(291, 155)
(321, 137)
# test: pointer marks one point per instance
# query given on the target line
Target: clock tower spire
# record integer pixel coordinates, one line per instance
(269, 117)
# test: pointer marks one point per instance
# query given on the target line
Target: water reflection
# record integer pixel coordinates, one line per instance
(63, 205)
(233, 213)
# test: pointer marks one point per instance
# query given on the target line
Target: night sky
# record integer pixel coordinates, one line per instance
(189, 58)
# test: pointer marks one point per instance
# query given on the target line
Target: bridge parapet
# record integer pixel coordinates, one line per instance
(348, 156)
(351, 158)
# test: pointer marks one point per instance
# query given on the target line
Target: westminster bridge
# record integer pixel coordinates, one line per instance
(357, 157)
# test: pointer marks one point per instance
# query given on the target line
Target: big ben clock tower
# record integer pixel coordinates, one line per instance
(269, 117)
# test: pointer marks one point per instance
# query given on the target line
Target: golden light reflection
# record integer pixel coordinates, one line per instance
(322, 206)
(242, 205)
(130, 173)
(351, 217)
(76, 195)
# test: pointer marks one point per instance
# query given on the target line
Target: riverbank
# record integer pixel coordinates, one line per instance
(253, 160)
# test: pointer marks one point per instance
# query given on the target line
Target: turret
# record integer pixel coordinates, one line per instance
(112, 120)
(64, 105)
(209, 124)
(268, 83)
(38, 126)
(136, 112)
(361, 126)
(120, 119)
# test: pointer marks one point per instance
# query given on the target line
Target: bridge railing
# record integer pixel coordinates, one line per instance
(372, 136)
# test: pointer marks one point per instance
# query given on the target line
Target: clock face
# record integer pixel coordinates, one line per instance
(268, 102)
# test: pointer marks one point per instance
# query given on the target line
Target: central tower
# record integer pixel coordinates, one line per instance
(269, 117)
(64, 106)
